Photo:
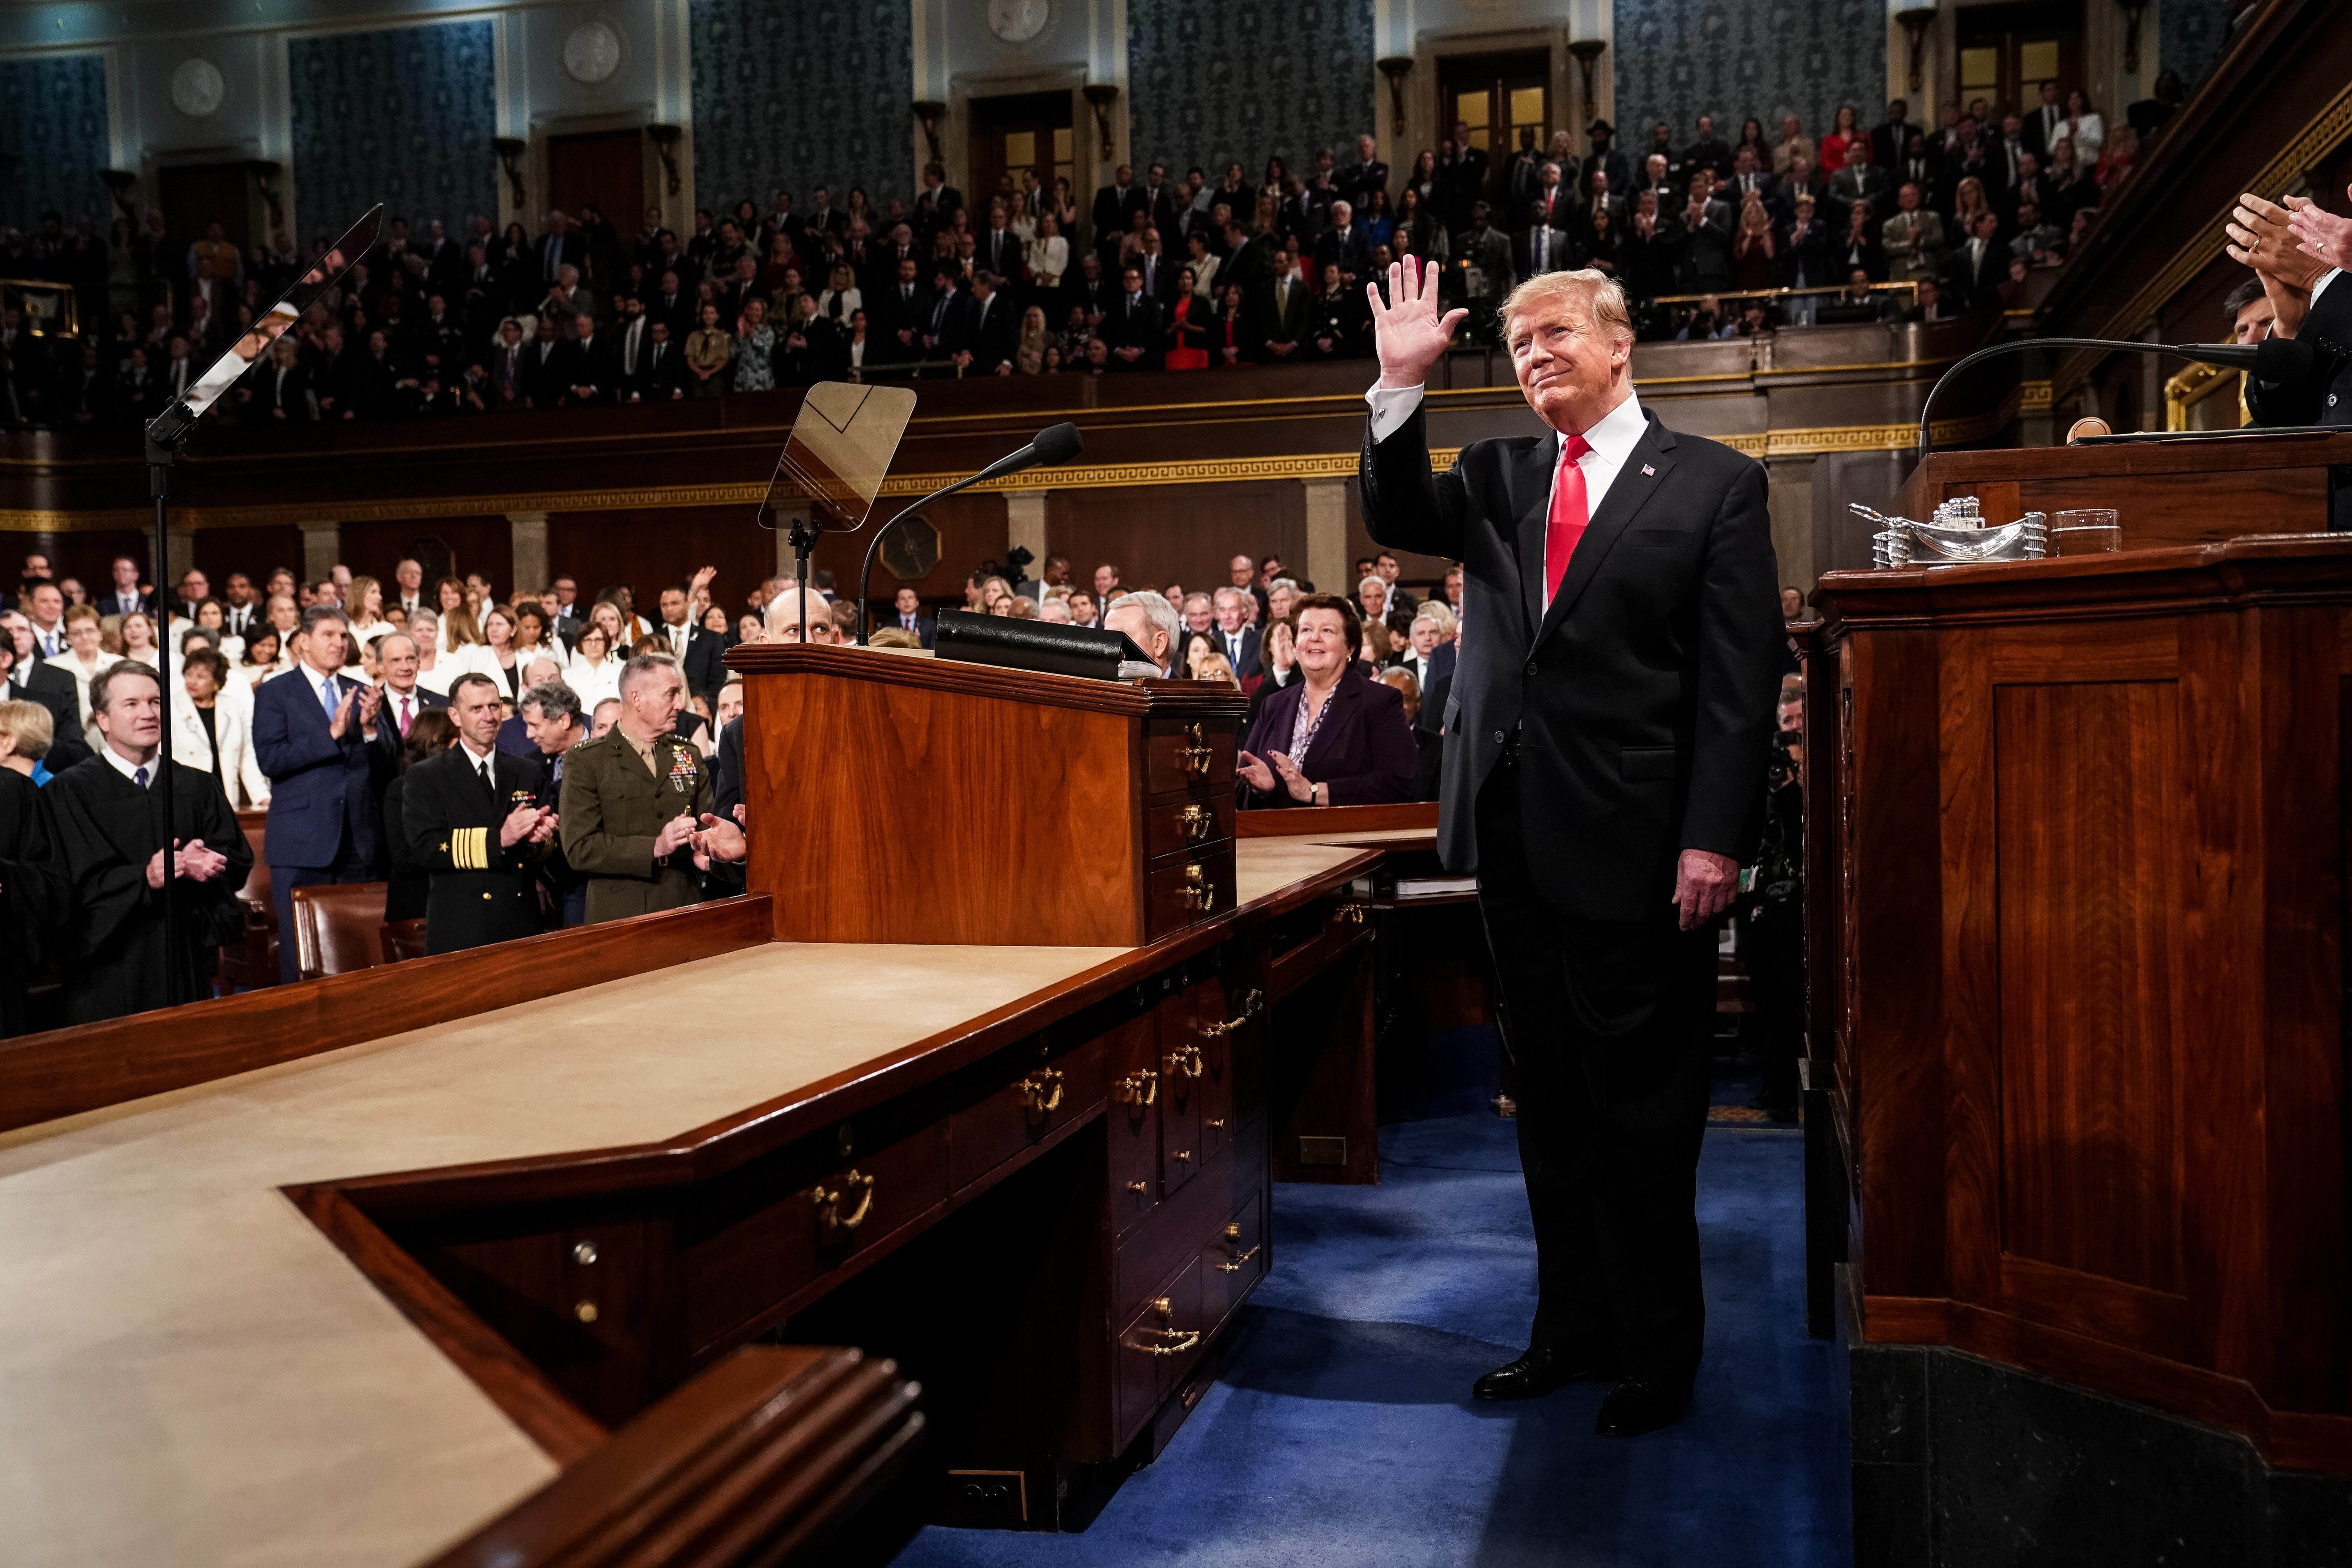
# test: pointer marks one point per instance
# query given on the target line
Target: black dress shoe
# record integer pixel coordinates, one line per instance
(1642, 1405)
(1539, 1370)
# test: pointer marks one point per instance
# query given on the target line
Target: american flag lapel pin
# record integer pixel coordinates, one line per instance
(1647, 470)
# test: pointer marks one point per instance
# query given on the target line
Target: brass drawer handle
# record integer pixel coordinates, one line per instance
(1235, 1265)
(1200, 893)
(1199, 821)
(1354, 912)
(1186, 1061)
(1179, 1342)
(1195, 755)
(1216, 1124)
(830, 1222)
(1042, 1091)
(1241, 1015)
(1181, 1156)
(1140, 1089)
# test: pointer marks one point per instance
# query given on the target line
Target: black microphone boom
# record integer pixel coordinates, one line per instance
(1054, 444)
(2237, 356)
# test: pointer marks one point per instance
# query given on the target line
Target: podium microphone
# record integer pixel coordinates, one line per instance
(2235, 356)
(1054, 444)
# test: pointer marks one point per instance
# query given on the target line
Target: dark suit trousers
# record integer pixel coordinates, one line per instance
(1608, 1024)
(349, 866)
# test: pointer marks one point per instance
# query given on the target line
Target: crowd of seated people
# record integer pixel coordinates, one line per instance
(315, 704)
(1212, 270)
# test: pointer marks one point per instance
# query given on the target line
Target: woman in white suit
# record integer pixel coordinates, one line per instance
(212, 727)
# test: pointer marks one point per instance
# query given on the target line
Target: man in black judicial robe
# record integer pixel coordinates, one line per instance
(103, 818)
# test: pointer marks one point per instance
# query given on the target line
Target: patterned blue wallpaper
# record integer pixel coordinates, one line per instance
(53, 140)
(801, 93)
(1676, 59)
(404, 117)
(1211, 80)
(2191, 33)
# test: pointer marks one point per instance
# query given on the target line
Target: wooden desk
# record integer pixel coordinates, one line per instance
(2077, 911)
(197, 1371)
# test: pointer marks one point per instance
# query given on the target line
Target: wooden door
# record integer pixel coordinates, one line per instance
(2007, 52)
(605, 169)
(1028, 131)
(1500, 96)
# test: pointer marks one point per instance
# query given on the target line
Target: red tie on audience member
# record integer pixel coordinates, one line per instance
(1569, 514)
(403, 717)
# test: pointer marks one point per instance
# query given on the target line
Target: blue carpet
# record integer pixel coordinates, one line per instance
(1343, 1434)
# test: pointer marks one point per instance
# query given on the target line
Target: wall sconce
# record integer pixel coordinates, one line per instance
(931, 113)
(122, 185)
(1588, 54)
(262, 172)
(2132, 10)
(664, 139)
(1914, 31)
(510, 152)
(1102, 95)
(1396, 68)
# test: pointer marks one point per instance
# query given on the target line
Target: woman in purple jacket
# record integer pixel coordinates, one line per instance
(1334, 736)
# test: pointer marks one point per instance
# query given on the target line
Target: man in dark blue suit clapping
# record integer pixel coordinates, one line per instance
(312, 727)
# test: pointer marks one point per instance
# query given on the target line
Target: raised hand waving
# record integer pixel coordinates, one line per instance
(1412, 333)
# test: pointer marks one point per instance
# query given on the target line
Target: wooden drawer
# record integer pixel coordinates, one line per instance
(1188, 1220)
(1228, 1026)
(1309, 939)
(1188, 890)
(1183, 1079)
(1188, 756)
(763, 1246)
(1131, 1081)
(1157, 1349)
(1040, 1091)
(1175, 826)
(1235, 1262)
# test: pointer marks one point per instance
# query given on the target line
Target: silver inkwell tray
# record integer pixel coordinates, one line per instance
(1958, 537)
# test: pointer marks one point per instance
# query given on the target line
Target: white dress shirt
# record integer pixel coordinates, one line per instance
(129, 769)
(1611, 439)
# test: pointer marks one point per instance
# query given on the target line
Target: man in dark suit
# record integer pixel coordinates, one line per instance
(999, 250)
(2043, 121)
(311, 730)
(907, 612)
(1541, 246)
(1975, 269)
(474, 819)
(1132, 328)
(588, 371)
(661, 369)
(696, 648)
(553, 723)
(402, 699)
(2303, 374)
(1430, 658)
(1610, 720)
(1708, 150)
(124, 595)
(947, 329)
(1887, 142)
(558, 248)
(1234, 636)
(1344, 245)
(995, 327)
(939, 203)
(1368, 173)
(25, 678)
(1281, 306)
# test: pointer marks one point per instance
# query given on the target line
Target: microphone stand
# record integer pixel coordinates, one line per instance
(162, 454)
(874, 545)
(2236, 355)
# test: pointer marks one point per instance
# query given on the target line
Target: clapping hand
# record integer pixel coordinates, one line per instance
(199, 863)
(720, 839)
(675, 834)
(2320, 233)
(341, 721)
(1255, 773)
(1293, 780)
(522, 822)
(1412, 335)
(2264, 240)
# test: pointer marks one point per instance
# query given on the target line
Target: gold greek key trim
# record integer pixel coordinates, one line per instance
(2319, 137)
(2034, 397)
(1188, 471)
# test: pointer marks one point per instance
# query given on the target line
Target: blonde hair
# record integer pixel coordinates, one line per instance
(1603, 299)
(30, 726)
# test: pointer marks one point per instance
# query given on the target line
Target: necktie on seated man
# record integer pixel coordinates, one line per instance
(1569, 514)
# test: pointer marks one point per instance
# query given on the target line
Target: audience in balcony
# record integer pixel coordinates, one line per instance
(430, 324)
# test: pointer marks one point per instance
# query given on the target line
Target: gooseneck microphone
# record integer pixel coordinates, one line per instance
(2234, 356)
(1054, 444)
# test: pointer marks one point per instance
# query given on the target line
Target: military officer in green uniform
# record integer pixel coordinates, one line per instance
(472, 820)
(633, 800)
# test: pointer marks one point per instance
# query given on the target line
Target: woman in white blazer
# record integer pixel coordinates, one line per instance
(205, 687)
(595, 673)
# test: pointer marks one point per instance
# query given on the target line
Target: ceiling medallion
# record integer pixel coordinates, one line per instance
(1018, 21)
(591, 53)
(199, 88)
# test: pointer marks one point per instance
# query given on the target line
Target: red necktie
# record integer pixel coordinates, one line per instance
(404, 717)
(1569, 514)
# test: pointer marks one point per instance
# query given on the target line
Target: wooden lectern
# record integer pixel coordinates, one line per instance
(2076, 889)
(903, 798)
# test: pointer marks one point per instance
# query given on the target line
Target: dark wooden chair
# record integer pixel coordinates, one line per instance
(252, 962)
(402, 940)
(338, 927)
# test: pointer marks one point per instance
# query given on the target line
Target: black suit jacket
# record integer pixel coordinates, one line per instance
(53, 689)
(388, 738)
(2307, 379)
(1642, 695)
